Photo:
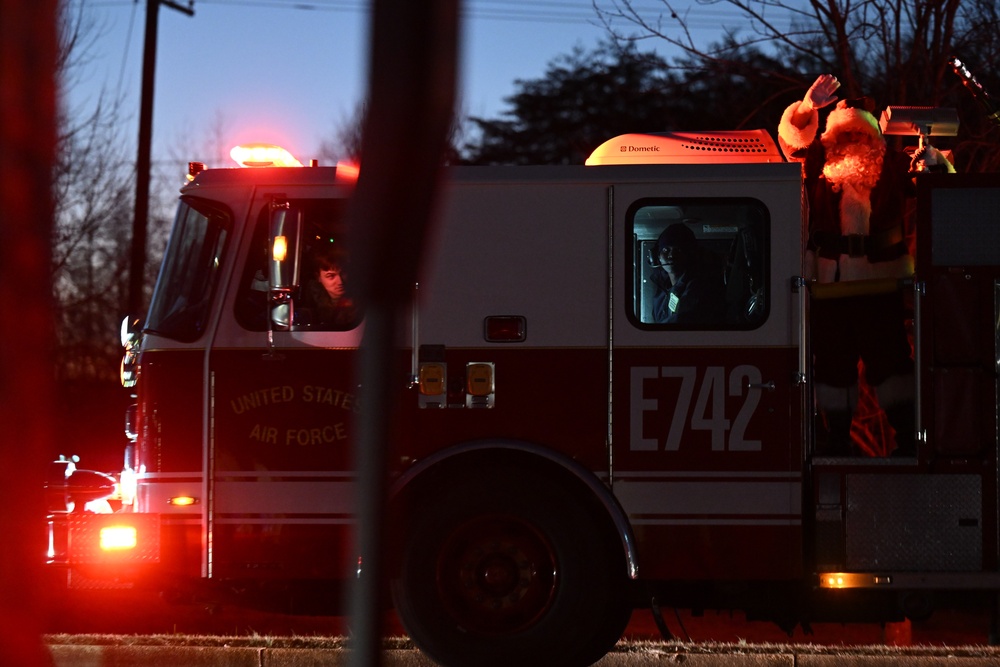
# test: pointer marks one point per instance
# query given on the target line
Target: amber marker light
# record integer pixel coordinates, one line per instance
(263, 155)
(182, 501)
(479, 379)
(118, 538)
(854, 580)
(279, 250)
(431, 379)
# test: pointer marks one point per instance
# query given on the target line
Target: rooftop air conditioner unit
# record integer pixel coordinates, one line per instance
(688, 148)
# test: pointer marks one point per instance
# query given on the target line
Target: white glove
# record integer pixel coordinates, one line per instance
(928, 158)
(821, 93)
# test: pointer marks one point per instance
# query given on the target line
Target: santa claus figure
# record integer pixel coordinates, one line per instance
(857, 189)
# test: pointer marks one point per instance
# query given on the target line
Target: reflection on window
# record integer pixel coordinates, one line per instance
(323, 300)
(190, 270)
(698, 264)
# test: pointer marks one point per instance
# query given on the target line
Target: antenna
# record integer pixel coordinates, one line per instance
(979, 93)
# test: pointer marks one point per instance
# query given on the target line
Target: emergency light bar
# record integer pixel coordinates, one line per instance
(687, 148)
(263, 155)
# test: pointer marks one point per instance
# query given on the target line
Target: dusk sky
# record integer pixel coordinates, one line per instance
(291, 72)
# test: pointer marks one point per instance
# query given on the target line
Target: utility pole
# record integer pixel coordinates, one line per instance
(137, 268)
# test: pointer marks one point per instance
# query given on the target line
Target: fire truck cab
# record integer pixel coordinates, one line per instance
(562, 451)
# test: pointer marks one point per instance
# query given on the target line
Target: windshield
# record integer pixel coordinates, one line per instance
(190, 270)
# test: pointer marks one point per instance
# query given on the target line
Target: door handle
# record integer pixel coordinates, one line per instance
(769, 385)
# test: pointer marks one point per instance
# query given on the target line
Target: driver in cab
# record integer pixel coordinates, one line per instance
(690, 289)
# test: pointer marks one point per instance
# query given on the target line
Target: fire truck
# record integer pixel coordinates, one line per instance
(559, 455)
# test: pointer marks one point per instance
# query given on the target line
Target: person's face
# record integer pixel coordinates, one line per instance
(332, 281)
(852, 137)
(672, 257)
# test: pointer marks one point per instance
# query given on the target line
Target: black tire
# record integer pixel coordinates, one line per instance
(511, 568)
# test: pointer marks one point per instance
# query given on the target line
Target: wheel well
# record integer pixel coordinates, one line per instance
(499, 460)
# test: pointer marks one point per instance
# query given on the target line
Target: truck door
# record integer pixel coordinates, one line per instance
(283, 399)
(707, 408)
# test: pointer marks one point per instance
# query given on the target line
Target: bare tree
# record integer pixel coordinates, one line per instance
(92, 186)
(93, 182)
(897, 51)
(345, 144)
(212, 148)
(90, 245)
(346, 141)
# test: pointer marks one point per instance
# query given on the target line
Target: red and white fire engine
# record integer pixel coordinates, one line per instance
(558, 457)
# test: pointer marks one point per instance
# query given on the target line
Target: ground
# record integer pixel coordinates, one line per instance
(127, 612)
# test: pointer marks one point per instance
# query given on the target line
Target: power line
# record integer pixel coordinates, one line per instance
(128, 41)
(522, 11)
(525, 11)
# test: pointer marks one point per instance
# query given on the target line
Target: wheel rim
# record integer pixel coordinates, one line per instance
(496, 575)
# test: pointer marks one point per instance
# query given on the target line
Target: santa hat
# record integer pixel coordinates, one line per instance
(851, 115)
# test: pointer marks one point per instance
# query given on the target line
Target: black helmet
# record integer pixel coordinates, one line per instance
(677, 234)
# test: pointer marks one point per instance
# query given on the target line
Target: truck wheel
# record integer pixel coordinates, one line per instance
(511, 569)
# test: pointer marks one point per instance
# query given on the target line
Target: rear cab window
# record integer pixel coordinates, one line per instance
(698, 263)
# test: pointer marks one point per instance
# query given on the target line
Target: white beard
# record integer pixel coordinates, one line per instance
(853, 170)
(857, 164)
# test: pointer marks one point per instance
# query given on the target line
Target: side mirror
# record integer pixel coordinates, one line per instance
(285, 236)
(283, 264)
(128, 372)
(129, 330)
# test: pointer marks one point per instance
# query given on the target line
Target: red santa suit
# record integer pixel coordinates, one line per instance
(857, 191)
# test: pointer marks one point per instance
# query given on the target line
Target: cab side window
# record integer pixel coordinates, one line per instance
(323, 300)
(698, 264)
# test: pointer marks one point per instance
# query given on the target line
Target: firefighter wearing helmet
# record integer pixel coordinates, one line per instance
(857, 189)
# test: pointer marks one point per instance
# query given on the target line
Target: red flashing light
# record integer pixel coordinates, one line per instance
(263, 155)
(505, 329)
(118, 538)
(195, 168)
(348, 171)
